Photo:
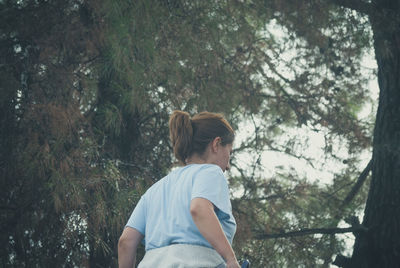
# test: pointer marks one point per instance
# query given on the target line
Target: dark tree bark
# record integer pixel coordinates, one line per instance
(380, 245)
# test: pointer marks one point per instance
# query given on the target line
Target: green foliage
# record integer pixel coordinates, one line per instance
(85, 103)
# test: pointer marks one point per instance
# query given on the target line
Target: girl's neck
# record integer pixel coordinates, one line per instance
(195, 159)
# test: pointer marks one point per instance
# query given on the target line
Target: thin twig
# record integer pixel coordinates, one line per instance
(311, 231)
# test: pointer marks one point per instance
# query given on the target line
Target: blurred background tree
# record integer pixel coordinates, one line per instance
(87, 88)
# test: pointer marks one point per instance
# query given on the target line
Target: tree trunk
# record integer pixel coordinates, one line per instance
(380, 245)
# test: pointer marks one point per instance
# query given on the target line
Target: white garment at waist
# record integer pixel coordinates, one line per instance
(182, 256)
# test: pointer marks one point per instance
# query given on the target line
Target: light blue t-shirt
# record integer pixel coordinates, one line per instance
(163, 216)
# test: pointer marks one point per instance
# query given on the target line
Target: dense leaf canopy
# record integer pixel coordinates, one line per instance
(87, 88)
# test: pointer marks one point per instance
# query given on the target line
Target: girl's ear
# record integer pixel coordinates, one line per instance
(215, 143)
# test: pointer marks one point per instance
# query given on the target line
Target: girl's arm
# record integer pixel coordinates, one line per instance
(127, 245)
(207, 222)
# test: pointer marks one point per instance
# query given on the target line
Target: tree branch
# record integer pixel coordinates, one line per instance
(361, 179)
(312, 231)
(357, 5)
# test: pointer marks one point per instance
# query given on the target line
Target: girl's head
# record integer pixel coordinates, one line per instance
(192, 135)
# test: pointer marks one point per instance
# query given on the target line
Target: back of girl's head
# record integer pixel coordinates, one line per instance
(192, 135)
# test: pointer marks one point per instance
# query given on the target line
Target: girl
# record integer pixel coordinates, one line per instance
(185, 219)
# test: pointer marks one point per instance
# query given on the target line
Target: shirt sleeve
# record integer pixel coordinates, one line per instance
(138, 217)
(210, 183)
